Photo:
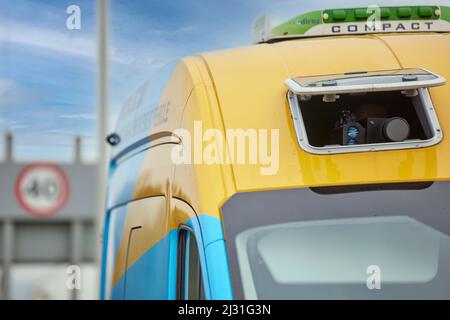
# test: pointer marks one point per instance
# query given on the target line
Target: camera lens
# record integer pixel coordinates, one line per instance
(396, 129)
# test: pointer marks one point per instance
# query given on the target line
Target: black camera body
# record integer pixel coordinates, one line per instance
(349, 131)
(381, 130)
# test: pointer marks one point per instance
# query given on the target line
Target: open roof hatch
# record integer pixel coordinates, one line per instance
(365, 111)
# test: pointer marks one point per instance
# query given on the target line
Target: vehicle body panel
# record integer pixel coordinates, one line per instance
(244, 88)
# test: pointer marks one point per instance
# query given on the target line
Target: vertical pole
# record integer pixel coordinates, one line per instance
(76, 251)
(8, 234)
(102, 116)
(77, 149)
(9, 148)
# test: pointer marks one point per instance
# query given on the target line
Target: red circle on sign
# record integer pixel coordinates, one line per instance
(62, 196)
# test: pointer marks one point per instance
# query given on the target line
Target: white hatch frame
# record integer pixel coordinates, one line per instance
(297, 92)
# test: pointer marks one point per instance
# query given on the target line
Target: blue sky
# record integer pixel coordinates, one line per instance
(48, 73)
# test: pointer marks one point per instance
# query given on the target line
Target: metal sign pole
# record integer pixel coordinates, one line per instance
(102, 116)
(7, 240)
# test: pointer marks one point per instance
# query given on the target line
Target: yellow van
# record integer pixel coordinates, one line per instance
(313, 164)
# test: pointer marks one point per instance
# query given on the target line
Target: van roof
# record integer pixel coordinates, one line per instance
(359, 20)
(250, 90)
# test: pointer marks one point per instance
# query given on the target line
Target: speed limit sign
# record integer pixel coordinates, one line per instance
(42, 189)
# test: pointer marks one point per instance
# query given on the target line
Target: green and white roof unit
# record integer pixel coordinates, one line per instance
(363, 20)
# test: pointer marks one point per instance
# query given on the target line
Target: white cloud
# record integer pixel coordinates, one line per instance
(63, 133)
(44, 38)
(79, 116)
(182, 31)
(71, 42)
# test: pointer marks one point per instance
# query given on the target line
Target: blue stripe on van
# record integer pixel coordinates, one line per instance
(115, 223)
(218, 271)
(103, 262)
(153, 276)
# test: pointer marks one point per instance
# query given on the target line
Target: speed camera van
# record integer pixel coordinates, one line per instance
(312, 164)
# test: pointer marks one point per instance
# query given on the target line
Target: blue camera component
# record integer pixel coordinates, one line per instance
(352, 133)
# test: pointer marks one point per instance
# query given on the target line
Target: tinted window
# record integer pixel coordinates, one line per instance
(338, 243)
